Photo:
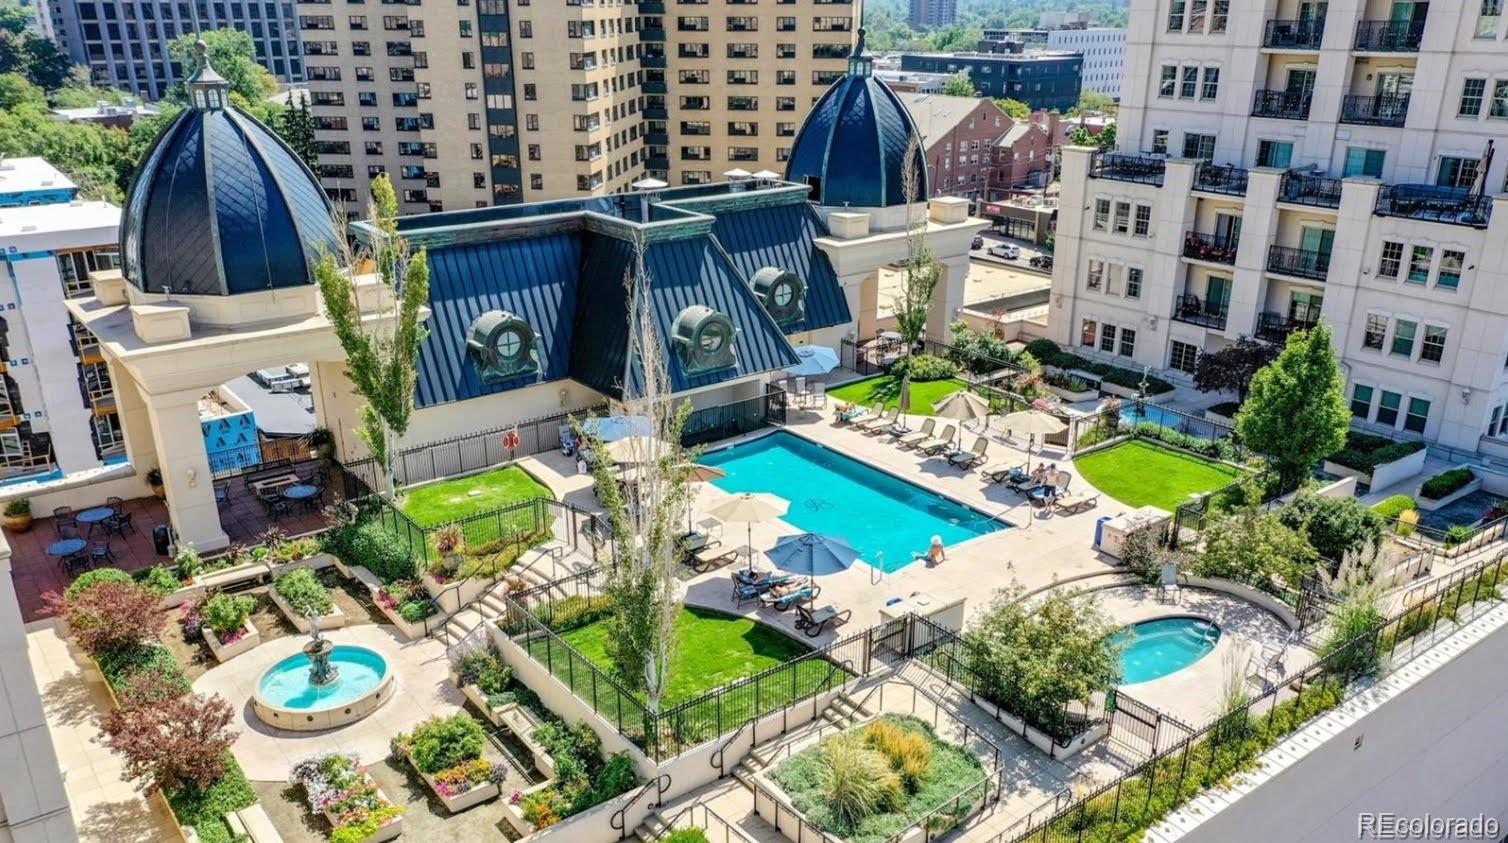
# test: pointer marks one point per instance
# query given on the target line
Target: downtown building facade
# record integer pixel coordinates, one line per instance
(1298, 163)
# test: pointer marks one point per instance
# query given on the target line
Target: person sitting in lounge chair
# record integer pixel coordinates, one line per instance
(1039, 475)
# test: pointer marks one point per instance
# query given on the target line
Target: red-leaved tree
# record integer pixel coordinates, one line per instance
(109, 616)
(171, 741)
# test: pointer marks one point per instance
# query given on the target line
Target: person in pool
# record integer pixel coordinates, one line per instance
(935, 552)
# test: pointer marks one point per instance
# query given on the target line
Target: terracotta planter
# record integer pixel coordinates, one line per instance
(17, 523)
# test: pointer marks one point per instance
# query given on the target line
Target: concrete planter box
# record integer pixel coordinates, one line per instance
(410, 631)
(515, 814)
(226, 652)
(479, 700)
(771, 802)
(1071, 396)
(456, 594)
(1039, 739)
(392, 829)
(462, 801)
(1384, 475)
(1432, 504)
(334, 620)
(522, 723)
(315, 561)
(187, 594)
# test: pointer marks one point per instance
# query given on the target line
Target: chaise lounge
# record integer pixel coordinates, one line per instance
(877, 424)
(813, 622)
(970, 458)
(937, 444)
(920, 435)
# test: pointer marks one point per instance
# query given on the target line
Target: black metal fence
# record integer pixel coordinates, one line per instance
(710, 424)
(1207, 437)
(1141, 797)
(501, 534)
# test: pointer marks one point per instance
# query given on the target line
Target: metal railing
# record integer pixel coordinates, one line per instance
(1387, 110)
(1208, 313)
(1275, 327)
(1283, 105)
(1453, 205)
(1133, 168)
(1385, 36)
(1302, 263)
(658, 785)
(1302, 189)
(1293, 34)
(713, 826)
(1209, 247)
(1221, 178)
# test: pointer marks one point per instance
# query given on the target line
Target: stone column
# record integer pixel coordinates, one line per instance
(862, 291)
(135, 422)
(185, 469)
(947, 297)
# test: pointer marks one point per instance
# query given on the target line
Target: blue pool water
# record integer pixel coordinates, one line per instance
(1154, 649)
(829, 493)
(1157, 415)
(286, 683)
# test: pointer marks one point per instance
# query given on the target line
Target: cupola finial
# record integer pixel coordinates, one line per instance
(207, 89)
(858, 63)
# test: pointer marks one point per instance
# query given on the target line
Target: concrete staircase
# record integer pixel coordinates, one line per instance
(537, 567)
(842, 713)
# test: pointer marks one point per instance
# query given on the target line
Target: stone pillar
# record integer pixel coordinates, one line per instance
(862, 292)
(135, 422)
(1349, 261)
(1068, 246)
(185, 469)
(1259, 230)
(33, 801)
(947, 297)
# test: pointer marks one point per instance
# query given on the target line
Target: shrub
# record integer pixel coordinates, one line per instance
(160, 579)
(576, 611)
(415, 610)
(443, 742)
(188, 563)
(205, 808)
(582, 777)
(855, 780)
(1334, 526)
(154, 660)
(617, 775)
(685, 835)
(340, 786)
(1390, 508)
(90, 579)
(1043, 349)
(1458, 534)
(925, 367)
(374, 547)
(1354, 653)
(304, 593)
(1364, 451)
(908, 751)
(19, 506)
(226, 614)
(110, 615)
(482, 667)
(1446, 482)
(171, 741)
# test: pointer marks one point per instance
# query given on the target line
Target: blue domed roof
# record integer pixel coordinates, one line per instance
(852, 147)
(222, 205)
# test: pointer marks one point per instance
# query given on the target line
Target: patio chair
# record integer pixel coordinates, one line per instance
(818, 396)
(813, 622)
(115, 503)
(780, 602)
(62, 516)
(222, 493)
(972, 457)
(800, 388)
(938, 444)
(1070, 504)
(709, 556)
(119, 524)
(1167, 583)
(856, 412)
(921, 435)
(999, 473)
(100, 554)
(879, 424)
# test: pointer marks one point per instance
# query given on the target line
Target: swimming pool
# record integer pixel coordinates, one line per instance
(1157, 648)
(884, 518)
(1151, 413)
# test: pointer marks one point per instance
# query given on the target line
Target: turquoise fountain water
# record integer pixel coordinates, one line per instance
(287, 684)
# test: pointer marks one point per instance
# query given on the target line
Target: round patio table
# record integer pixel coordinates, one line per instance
(301, 492)
(94, 515)
(66, 547)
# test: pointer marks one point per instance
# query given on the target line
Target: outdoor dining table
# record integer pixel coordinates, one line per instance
(301, 493)
(93, 516)
(66, 547)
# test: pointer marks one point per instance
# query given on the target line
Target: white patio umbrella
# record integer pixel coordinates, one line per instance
(1034, 423)
(815, 360)
(750, 508)
(962, 406)
(613, 428)
(638, 448)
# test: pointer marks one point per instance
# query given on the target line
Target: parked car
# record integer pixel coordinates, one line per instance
(1042, 261)
(978, 242)
(1009, 251)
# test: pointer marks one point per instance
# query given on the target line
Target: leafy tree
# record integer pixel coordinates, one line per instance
(1334, 526)
(1014, 109)
(297, 128)
(1081, 136)
(1233, 367)
(17, 91)
(26, 52)
(85, 96)
(170, 740)
(1092, 102)
(109, 616)
(381, 357)
(958, 85)
(232, 54)
(1251, 546)
(921, 273)
(1296, 411)
(14, 20)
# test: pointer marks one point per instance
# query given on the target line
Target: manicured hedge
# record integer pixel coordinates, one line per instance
(1225, 408)
(1048, 354)
(374, 547)
(1364, 452)
(1394, 506)
(1446, 482)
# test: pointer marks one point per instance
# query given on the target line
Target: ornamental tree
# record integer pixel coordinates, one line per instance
(173, 741)
(958, 85)
(110, 615)
(1233, 367)
(1296, 411)
(920, 274)
(1255, 547)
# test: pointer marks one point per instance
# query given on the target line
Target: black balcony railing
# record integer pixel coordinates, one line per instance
(1134, 168)
(1293, 34)
(1385, 36)
(1205, 312)
(1388, 110)
(1453, 205)
(1284, 105)
(1301, 263)
(1275, 327)
(1218, 178)
(1209, 247)
(1303, 189)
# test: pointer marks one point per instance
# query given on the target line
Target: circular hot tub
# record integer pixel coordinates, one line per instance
(1163, 646)
(286, 699)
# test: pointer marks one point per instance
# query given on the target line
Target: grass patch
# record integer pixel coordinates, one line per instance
(888, 389)
(1139, 473)
(952, 771)
(451, 500)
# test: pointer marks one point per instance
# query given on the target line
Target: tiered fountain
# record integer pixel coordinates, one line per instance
(325, 686)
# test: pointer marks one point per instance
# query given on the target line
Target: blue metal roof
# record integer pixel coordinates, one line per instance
(852, 147)
(782, 236)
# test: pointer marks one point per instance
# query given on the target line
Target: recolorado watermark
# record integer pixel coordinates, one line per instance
(1386, 826)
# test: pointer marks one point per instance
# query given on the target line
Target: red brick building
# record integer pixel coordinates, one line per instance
(1023, 157)
(960, 135)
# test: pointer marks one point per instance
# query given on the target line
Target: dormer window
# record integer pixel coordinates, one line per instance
(782, 294)
(502, 346)
(705, 339)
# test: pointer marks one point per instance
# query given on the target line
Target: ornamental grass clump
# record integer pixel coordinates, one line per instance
(856, 781)
(908, 751)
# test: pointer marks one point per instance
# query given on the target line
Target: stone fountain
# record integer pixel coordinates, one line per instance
(321, 672)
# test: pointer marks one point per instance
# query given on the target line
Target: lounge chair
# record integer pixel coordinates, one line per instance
(710, 555)
(1167, 583)
(780, 602)
(921, 435)
(972, 457)
(939, 443)
(876, 424)
(855, 413)
(814, 621)
(1070, 504)
(999, 473)
(761, 580)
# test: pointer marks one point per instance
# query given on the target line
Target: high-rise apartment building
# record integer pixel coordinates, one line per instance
(1287, 164)
(125, 44)
(1041, 79)
(933, 12)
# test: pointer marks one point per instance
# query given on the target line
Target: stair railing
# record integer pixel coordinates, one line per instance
(657, 786)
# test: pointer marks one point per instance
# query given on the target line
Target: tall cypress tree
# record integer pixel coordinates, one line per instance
(297, 128)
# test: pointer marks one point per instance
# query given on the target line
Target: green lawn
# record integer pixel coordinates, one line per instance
(451, 500)
(888, 389)
(1139, 473)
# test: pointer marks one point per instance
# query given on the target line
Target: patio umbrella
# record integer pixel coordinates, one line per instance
(750, 508)
(638, 448)
(962, 406)
(1034, 423)
(812, 554)
(613, 428)
(815, 360)
(698, 473)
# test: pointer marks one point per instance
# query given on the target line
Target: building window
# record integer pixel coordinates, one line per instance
(1168, 85)
(1392, 258)
(1096, 274)
(1190, 84)
(1274, 154)
(1128, 342)
(1210, 89)
(1361, 401)
(1403, 337)
(1133, 282)
(1418, 415)
(1143, 226)
(1432, 350)
(536, 181)
(1419, 261)
(1472, 93)
(1499, 107)
(1183, 357)
(1498, 424)
(1387, 408)
(1175, 15)
(1450, 269)
(1107, 338)
(1087, 332)
(1377, 329)
(1122, 217)
(1363, 162)
(1102, 215)
(1160, 141)
(1198, 146)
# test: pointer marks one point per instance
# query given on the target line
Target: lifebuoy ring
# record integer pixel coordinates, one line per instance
(511, 440)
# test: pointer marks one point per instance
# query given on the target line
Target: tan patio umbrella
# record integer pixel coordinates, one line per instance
(1034, 423)
(638, 449)
(697, 473)
(750, 508)
(962, 406)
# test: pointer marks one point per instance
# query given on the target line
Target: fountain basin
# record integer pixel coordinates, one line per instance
(285, 699)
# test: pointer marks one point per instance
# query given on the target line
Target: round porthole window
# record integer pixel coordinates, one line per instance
(782, 294)
(502, 346)
(705, 339)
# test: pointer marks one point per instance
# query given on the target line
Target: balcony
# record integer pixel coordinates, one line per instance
(1133, 168)
(656, 113)
(1303, 189)
(651, 7)
(1209, 247)
(658, 164)
(1293, 34)
(652, 35)
(1204, 312)
(1385, 36)
(1282, 105)
(657, 138)
(1299, 263)
(1451, 205)
(655, 88)
(1212, 178)
(652, 61)
(1389, 110)
(1275, 327)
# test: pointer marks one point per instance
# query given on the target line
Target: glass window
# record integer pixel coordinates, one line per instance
(1274, 154)
(1419, 261)
(1087, 332)
(1361, 401)
(1450, 269)
(1489, 19)
(1403, 337)
(1387, 408)
(1417, 416)
(1457, 172)
(1160, 141)
(1096, 274)
(1196, 14)
(1107, 338)
(1190, 84)
(1143, 225)
(1496, 420)
(1198, 146)
(1113, 278)
(1364, 162)
(1433, 347)
(1169, 84)
(1122, 217)
(1499, 107)
(1175, 15)
(1128, 342)
(1377, 329)
(1101, 214)
(1472, 93)
(1211, 87)
(1392, 258)
(1133, 282)
(1183, 356)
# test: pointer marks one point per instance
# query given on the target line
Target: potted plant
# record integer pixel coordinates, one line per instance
(18, 515)
(322, 442)
(154, 479)
(225, 620)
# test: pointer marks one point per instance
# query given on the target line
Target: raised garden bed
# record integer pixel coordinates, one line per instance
(446, 752)
(224, 652)
(1378, 461)
(338, 787)
(1447, 487)
(297, 585)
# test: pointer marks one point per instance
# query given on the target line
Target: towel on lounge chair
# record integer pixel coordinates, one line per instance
(857, 412)
(1001, 473)
(781, 602)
